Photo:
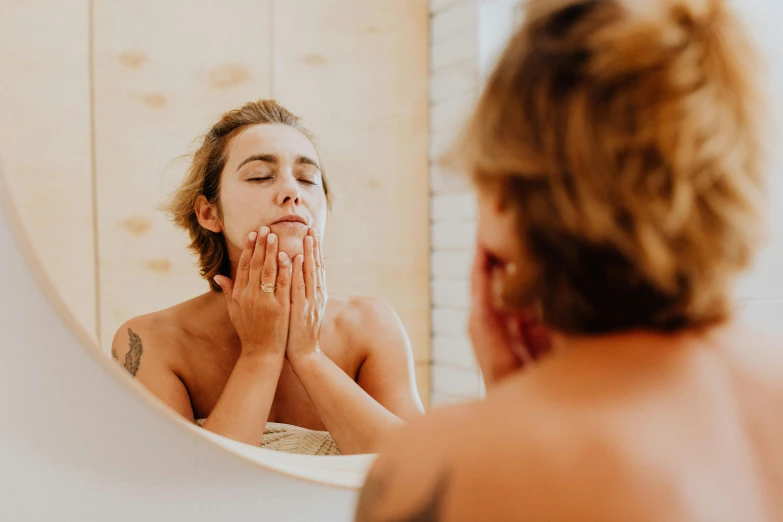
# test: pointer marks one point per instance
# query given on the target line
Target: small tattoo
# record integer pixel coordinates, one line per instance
(133, 357)
(376, 487)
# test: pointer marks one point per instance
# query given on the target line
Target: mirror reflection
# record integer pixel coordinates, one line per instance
(233, 200)
(267, 356)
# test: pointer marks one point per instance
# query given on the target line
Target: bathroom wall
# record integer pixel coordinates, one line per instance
(465, 38)
(105, 99)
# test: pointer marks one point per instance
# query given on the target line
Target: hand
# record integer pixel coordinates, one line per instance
(503, 342)
(260, 317)
(308, 299)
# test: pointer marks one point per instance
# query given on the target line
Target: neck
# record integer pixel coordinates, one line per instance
(636, 339)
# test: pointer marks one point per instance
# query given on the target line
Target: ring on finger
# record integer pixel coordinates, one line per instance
(268, 288)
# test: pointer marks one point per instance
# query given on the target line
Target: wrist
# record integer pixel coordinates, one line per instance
(260, 353)
(304, 357)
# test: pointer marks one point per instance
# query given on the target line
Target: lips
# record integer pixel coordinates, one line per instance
(293, 218)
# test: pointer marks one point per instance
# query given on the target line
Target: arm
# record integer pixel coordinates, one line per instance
(261, 320)
(150, 368)
(239, 412)
(358, 416)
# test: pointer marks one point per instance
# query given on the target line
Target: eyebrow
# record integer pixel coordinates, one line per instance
(275, 160)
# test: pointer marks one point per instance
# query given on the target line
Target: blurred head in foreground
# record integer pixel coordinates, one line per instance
(616, 153)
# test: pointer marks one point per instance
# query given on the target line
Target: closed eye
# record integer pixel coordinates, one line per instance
(308, 182)
(260, 179)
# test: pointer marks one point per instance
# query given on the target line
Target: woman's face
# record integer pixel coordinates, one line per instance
(272, 177)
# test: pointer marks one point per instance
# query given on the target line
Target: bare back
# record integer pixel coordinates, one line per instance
(627, 428)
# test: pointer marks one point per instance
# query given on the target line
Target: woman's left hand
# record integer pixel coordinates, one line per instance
(308, 299)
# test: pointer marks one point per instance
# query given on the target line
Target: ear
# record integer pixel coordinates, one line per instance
(207, 214)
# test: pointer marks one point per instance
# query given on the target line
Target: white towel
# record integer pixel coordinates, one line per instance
(293, 439)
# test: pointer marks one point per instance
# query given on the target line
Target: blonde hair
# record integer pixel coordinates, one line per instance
(623, 134)
(204, 175)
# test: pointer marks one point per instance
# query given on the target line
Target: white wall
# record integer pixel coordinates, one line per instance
(465, 36)
(454, 87)
(76, 444)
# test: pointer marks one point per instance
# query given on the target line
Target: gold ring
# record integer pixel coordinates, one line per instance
(268, 288)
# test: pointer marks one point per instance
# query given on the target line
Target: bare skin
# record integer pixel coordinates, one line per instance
(274, 346)
(634, 426)
(191, 349)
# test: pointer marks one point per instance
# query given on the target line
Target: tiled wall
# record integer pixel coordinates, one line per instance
(454, 84)
(465, 36)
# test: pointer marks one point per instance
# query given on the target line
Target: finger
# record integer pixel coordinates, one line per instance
(269, 272)
(243, 268)
(320, 275)
(298, 295)
(309, 268)
(516, 336)
(536, 338)
(283, 288)
(259, 256)
(226, 286)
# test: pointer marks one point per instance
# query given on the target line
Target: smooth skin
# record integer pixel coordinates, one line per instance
(294, 355)
(634, 426)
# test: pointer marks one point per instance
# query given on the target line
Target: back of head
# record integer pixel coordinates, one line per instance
(623, 134)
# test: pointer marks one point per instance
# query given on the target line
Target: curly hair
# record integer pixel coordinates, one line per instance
(204, 175)
(624, 136)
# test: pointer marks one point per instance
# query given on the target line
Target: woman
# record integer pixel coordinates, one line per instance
(265, 344)
(616, 156)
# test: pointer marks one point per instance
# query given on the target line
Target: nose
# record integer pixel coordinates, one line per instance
(289, 193)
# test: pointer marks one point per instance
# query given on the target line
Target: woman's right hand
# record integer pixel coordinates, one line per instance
(503, 342)
(260, 316)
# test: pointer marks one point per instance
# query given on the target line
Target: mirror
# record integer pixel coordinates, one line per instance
(108, 103)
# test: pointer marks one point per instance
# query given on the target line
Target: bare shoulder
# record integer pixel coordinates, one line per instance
(497, 459)
(362, 319)
(413, 476)
(156, 335)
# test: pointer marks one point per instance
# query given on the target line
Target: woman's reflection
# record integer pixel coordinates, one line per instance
(266, 345)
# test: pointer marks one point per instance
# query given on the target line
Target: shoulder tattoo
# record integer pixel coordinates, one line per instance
(133, 357)
(376, 488)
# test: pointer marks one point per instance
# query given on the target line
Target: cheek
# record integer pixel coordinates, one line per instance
(243, 212)
(316, 206)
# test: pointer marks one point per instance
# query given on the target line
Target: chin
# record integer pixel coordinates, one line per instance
(292, 245)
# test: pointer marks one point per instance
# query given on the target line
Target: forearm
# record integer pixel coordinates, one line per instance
(243, 408)
(356, 421)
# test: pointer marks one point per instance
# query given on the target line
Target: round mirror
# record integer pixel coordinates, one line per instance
(133, 187)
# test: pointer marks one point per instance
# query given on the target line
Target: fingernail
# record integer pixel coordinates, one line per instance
(264, 230)
(300, 259)
(252, 236)
(283, 258)
(309, 240)
(271, 239)
(215, 279)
